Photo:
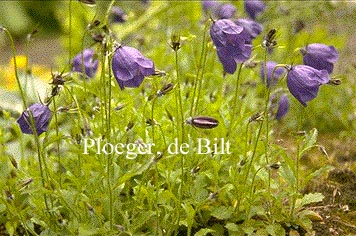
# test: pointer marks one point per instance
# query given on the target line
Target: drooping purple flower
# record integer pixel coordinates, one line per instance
(251, 26)
(218, 10)
(210, 7)
(283, 107)
(232, 43)
(117, 15)
(303, 82)
(226, 11)
(254, 7)
(277, 73)
(41, 117)
(87, 61)
(130, 67)
(320, 56)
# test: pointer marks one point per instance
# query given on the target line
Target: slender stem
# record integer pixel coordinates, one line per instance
(70, 31)
(180, 126)
(266, 114)
(32, 121)
(58, 142)
(199, 71)
(180, 99)
(13, 50)
(235, 100)
(254, 150)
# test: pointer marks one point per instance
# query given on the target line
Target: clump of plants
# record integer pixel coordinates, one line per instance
(154, 127)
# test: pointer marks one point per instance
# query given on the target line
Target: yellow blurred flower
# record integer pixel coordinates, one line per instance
(7, 73)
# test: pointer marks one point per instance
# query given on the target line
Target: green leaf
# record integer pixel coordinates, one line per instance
(222, 212)
(190, 213)
(309, 141)
(140, 219)
(232, 227)
(309, 198)
(275, 230)
(203, 232)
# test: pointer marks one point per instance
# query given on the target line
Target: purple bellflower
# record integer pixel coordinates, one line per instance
(210, 7)
(303, 82)
(85, 60)
(130, 67)
(277, 73)
(320, 56)
(218, 10)
(254, 8)
(232, 43)
(251, 26)
(283, 107)
(41, 116)
(226, 11)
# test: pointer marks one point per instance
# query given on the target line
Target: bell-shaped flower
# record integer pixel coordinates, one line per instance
(130, 67)
(283, 107)
(117, 15)
(254, 8)
(85, 60)
(232, 43)
(209, 7)
(303, 82)
(252, 27)
(320, 56)
(277, 73)
(226, 11)
(41, 117)
(218, 10)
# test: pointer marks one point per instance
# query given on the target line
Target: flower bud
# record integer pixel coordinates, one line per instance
(165, 89)
(203, 122)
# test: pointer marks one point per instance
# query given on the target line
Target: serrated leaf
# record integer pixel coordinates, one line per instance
(275, 230)
(232, 227)
(222, 212)
(312, 215)
(190, 213)
(204, 232)
(309, 198)
(310, 140)
(141, 219)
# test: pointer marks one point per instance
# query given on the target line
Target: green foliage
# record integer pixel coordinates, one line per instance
(52, 186)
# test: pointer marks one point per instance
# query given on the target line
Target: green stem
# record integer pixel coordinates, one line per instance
(199, 74)
(233, 116)
(180, 126)
(266, 114)
(32, 121)
(58, 142)
(70, 31)
(254, 151)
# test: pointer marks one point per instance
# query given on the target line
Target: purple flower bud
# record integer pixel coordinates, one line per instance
(90, 64)
(232, 43)
(226, 11)
(117, 15)
(251, 26)
(203, 122)
(277, 73)
(41, 116)
(130, 67)
(283, 107)
(320, 56)
(254, 8)
(303, 82)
